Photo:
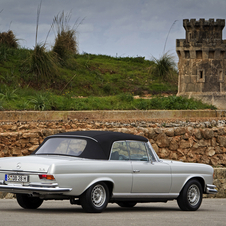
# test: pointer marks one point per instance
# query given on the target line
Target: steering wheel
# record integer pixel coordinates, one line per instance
(122, 157)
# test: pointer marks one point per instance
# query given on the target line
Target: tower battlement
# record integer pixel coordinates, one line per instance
(193, 23)
(203, 30)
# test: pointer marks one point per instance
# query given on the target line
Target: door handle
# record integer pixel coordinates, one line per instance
(136, 171)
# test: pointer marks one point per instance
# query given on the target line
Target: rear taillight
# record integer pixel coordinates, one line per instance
(47, 177)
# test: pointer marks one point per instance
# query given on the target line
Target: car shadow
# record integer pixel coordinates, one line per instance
(110, 209)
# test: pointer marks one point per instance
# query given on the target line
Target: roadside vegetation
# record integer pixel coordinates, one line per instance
(62, 79)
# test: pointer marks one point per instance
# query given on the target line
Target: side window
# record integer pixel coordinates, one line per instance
(138, 151)
(119, 151)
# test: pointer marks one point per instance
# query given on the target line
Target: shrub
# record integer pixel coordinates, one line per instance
(1, 105)
(171, 103)
(8, 95)
(9, 39)
(40, 102)
(127, 97)
(65, 41)
(43, 63)
(164, 68)
(65, 44)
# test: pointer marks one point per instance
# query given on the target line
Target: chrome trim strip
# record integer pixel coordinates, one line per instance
(145, 195)
(210, 189)
(45, 185)
(15, 188)
(69, 135)
(21, 172)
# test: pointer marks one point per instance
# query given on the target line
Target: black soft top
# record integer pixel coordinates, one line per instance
(99, 142)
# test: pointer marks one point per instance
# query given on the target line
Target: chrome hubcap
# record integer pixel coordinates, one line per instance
(193, 195)
(98, 195)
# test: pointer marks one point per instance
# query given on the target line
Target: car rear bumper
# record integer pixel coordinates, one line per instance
(210, 189)
(41, 188)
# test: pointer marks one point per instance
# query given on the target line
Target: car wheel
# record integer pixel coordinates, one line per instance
(127, 204)
(95, 198)
(190, 197)
(28, 202)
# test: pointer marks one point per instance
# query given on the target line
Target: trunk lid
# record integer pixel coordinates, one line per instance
(32, 163)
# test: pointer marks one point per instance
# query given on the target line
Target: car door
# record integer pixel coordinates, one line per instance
(120, 167)
(148, 176)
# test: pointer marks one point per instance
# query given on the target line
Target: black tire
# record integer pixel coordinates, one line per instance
(127, 204)
(190, 197)
(95, 198)
(28, 202)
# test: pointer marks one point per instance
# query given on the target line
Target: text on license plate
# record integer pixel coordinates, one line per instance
(16, 178)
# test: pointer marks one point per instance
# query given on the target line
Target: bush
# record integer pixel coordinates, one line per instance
(9, 39)
(43, 63)
(164, 68)
(1, 105)
(40, 102)
(127, 97)
(65, 44)
(65, 41)
(172, 103)
(8, 94)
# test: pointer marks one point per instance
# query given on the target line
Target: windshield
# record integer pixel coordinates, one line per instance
(62, 146)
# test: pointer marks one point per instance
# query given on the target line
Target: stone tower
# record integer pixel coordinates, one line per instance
(202, 61)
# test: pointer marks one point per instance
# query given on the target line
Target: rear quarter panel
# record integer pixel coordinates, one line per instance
(82, 174)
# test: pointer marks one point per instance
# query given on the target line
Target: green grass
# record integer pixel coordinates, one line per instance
(104, 82)
(49, 101)
(84, 75)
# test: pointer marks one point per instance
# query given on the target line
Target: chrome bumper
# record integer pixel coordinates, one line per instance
(41, 188)
(210, 189)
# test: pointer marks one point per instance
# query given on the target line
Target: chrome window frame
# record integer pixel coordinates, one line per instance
(147, 146)
(157, 159)
(119, 141)
(137, 141)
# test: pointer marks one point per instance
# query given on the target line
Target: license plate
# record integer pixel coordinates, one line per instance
(16, 178)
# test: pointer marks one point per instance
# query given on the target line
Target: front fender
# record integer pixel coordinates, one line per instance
(197, 177)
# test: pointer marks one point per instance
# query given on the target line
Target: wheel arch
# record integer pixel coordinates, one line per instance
(109, 182)
(200, 179)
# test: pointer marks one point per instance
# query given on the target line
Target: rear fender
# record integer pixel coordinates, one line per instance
(107, 180)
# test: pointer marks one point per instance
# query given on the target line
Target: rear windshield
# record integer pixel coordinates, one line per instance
(62, 146)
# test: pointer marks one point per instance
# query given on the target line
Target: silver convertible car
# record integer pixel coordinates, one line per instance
(93, 168)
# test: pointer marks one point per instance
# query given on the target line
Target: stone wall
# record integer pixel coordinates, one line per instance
(220, 182)
(201, 141)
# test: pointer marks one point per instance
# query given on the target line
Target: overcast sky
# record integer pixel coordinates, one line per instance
(111, 27)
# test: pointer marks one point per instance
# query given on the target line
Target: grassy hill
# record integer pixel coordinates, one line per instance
(85, 82)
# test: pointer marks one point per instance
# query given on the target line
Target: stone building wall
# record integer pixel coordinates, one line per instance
(197, 141)
(202, 61)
